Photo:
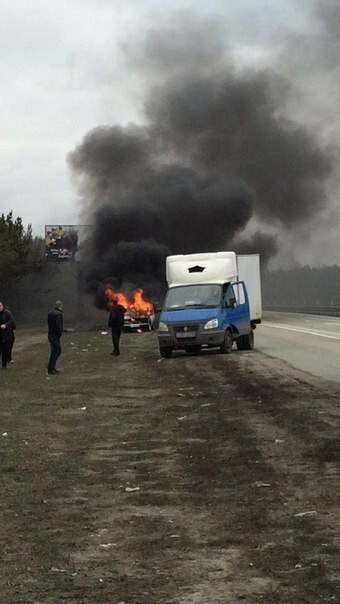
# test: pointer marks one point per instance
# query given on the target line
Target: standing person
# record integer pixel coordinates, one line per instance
(55, 322)
(116, 322)
(12, 340)
(6, 334)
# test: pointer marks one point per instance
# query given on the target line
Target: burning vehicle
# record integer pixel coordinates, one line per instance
(139, 315)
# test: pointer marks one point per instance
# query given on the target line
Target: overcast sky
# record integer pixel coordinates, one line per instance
(69, 66)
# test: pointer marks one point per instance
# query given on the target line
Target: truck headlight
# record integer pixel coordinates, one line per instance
(163, 326)
(212, 324)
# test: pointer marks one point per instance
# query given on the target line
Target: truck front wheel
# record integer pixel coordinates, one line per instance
(227, 345)
(165, 352)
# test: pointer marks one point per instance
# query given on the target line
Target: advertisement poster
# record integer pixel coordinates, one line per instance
(61, 242)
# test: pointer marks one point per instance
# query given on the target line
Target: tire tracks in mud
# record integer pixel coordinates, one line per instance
(152, 491)
(227, 450)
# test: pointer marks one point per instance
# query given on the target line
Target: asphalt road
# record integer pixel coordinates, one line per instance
(308, 342)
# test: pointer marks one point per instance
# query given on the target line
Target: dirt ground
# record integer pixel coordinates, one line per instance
(203, 479)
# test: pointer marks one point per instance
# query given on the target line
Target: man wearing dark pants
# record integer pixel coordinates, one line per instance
(55, 324)
(116, 322)
(12, 340)
(6, 333)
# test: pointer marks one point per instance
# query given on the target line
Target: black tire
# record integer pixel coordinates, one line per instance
(152, 323)
(248, 341)
(193, 349)
(240, 343)
(227, 345)
(165, 352)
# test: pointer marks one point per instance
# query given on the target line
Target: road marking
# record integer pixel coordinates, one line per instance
(311, 333)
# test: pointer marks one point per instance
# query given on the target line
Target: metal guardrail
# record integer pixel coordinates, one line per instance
(328, 311)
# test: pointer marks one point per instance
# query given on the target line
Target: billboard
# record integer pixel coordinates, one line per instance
(61, 242)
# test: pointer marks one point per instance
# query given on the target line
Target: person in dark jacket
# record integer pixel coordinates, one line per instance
(116, 322)
(6, 335)
(13, 329)
(55, 322)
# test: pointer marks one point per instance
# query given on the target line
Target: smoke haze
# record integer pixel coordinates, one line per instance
(219, 160)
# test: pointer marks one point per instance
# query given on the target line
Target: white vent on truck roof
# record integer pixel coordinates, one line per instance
(210, 267)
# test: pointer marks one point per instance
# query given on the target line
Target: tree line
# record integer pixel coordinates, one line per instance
(304, 286)
(21, 253)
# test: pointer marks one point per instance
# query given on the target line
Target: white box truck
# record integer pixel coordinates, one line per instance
(213, 299)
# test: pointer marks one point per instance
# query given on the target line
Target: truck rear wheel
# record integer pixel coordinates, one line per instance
(165, 352)
(227, 345)
(246, 342)
(239, 343)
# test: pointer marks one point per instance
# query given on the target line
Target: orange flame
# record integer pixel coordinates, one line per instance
(134, 301)
(139, 305)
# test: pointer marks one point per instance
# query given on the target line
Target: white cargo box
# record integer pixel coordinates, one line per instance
(212, 267)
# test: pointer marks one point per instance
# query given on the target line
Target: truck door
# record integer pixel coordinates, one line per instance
(237, 307)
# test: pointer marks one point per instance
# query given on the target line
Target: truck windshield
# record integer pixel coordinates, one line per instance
(198, 296)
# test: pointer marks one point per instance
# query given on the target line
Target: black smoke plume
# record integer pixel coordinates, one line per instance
(215, 151)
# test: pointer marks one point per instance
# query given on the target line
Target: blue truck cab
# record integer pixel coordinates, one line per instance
(209, 313)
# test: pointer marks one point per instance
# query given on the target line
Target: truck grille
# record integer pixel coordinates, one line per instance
(185, 328)
(185, 333)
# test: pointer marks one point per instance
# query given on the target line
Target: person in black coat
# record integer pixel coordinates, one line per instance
(116, 322)
(6, 335)
(13, 329)
(55, 323)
